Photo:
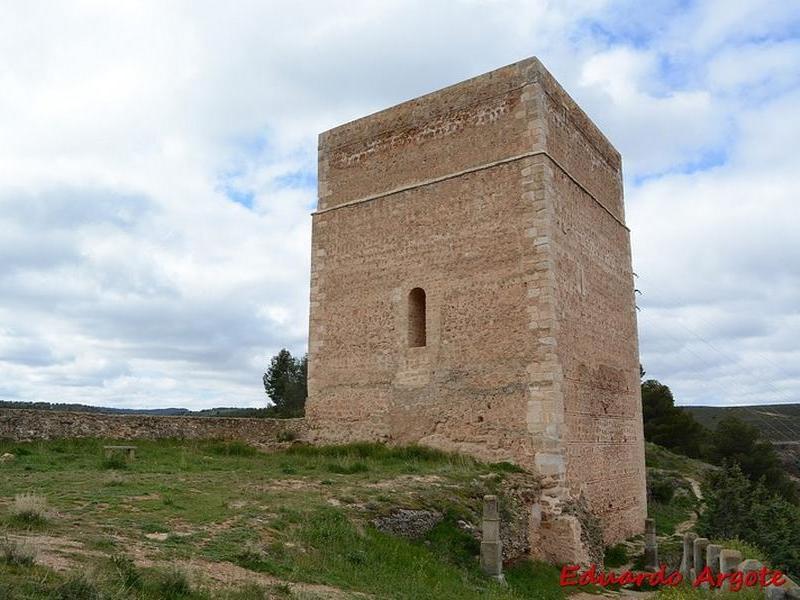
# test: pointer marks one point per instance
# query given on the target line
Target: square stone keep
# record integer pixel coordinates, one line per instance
(471, 288)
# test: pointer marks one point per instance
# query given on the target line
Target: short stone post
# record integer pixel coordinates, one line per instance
(728, 562)
(491, 546)
(700, 545)
(712, 557)
(687, 561)
(650, 545)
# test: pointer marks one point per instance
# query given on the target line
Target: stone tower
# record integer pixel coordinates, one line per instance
(471, 290)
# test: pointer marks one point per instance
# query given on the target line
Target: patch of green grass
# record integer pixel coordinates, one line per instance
(747, 550)
(347, 468)
(238, 504)
(669, 516)
(125, 572)
(114, 462)
(506, 467)
(288, 469)
(231, 448)
(455, 545)
(378, 452)
(391, 567)
(528, 579)
(173, 584)
(686, 592)
(657, 457)
(76, 587)
(153, 527)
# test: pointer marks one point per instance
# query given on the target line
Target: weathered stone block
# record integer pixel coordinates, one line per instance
(650, 545)
(699, 554)
(712, 557)
(492, 559)
(687, 560)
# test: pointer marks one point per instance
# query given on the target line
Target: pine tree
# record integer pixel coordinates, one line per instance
(285, 382)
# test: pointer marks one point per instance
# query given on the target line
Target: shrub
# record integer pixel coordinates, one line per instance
(232, 448)
(29, 510)
(125, 571)
(115, 461)
(348, 469)
(615, 556)
(76, 587)
(174, 584)
(506, 467)
(736, 508)
(661, 490)
(16, 553)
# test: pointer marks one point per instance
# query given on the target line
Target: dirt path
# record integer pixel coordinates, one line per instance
(689, 523)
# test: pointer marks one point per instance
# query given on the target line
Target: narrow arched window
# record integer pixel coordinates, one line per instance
(416, 318)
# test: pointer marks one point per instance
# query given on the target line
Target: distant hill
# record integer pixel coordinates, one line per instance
(164, 412)
(780, 423)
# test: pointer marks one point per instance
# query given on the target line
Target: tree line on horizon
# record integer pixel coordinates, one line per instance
(732, 442)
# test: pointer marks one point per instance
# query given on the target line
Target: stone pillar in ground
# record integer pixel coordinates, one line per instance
(728, 563)
(687, 561)
(491, 546)
(650, 545)
(712, 557)
(700, 545)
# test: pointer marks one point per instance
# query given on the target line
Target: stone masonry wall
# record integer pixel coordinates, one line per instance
(595, 335)
(30, 425)
(503, 201)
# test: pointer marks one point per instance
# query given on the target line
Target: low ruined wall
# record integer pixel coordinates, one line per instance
(29, 425)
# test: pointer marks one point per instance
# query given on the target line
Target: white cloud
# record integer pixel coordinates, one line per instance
(657, 131)
(158, 162)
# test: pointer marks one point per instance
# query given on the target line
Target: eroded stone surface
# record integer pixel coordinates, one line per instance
(408, 523)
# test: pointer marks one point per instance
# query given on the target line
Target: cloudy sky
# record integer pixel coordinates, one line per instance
(157, 170)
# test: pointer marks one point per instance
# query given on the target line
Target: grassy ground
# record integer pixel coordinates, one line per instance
(658, 457)
(222, 520)
(679, 472)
